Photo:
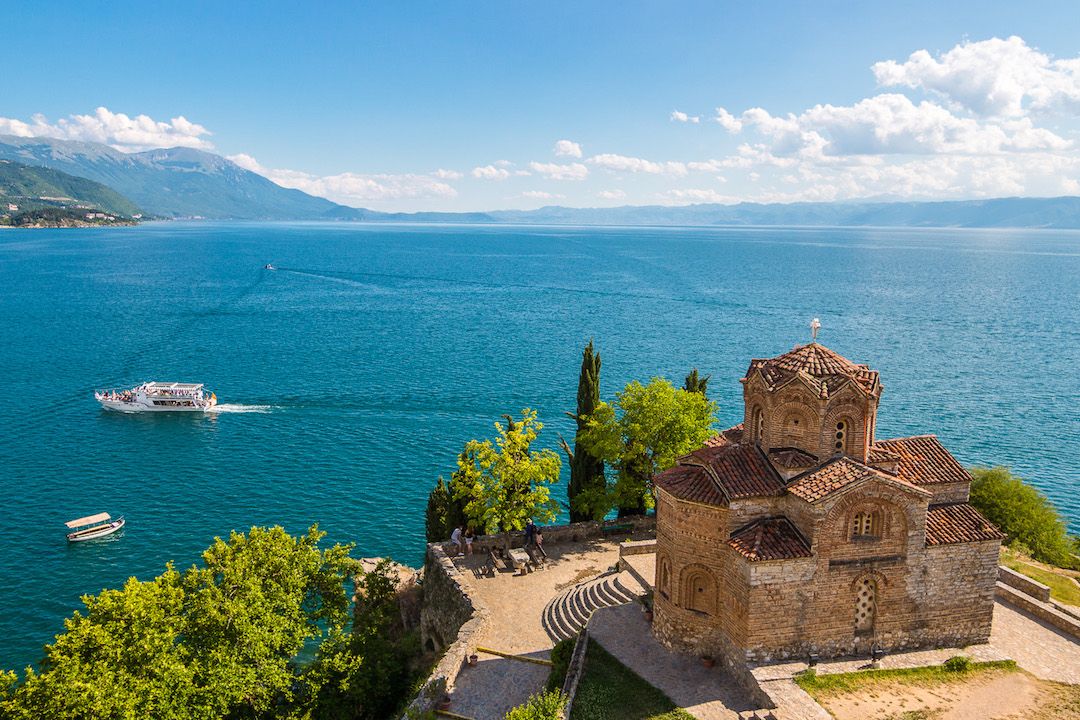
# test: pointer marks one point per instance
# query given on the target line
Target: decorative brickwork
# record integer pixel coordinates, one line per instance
(799, 533)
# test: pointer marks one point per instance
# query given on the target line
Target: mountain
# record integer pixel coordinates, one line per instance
(32, 188)
(174, 182)
(1060, 212)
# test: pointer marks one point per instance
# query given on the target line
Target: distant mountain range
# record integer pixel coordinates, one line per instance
(186, 183)
(32, 188)
(173, 183)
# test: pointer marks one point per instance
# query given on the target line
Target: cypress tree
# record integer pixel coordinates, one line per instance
(438, 505)
(586, 470)
(696, 383)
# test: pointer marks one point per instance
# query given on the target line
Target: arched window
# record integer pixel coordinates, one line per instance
(866, 524)
(665, 577)
(757, 428)
(865, 605)
(841, 437)
(700, 592)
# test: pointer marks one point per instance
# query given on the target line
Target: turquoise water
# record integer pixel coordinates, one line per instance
(355, 372)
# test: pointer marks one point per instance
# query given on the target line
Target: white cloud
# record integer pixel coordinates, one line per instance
(351, 188)
(697, 195)
(995, 77)
(490, 172)
(611, 194)
(555, 171)
(679, 116)
(540, 195)
(728, 121)
(622, 163)
(127, 134)
(567, 148)
(447, 174)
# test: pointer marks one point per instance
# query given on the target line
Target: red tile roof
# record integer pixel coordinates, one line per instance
(958, 523)
(818, 362)
(717, 475)
(690, 482)
(923, 460)
(792, 458)
(731, 436)
(774, 538)
(816, 484)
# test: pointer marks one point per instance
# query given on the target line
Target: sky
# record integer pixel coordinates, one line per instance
(407, 106)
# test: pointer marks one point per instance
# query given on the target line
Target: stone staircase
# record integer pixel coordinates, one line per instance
(566, 614)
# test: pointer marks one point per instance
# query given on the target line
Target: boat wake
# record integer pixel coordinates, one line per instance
(236, 408)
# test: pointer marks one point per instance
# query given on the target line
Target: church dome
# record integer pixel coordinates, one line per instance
(818, 363)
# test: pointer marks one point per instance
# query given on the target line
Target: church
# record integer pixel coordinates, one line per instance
(798, 532)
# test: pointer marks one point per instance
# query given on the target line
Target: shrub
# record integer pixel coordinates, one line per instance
(542, 706)
(958, 663)
(560, 662)
(1023, 514)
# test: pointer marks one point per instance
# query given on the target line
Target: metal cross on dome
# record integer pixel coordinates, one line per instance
(815, 325)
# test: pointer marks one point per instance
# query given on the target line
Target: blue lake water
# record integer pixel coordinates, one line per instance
(357, 370)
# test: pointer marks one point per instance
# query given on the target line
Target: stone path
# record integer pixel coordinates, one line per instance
(1036, 646)
(706, 693)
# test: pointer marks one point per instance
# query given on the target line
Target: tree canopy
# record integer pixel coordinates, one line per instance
(696, 383)
(504, 483)
(1024, 514)
(586, 469)
(644, 432)
(216, 641)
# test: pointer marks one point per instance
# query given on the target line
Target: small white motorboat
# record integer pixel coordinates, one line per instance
(92, 527)
(268, 266)
(158, 397)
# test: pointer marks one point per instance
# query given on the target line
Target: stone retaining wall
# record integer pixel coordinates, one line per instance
(1023, 583)
(1044, 611)
(572, 532)
(575, 670)
(637, 547)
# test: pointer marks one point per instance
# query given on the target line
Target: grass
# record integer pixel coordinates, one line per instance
(824, 685)
(611, 691)
(1062, 588)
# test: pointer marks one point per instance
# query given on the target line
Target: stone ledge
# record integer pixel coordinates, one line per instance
(1045, 612)
(637, 547)
(1023, 583)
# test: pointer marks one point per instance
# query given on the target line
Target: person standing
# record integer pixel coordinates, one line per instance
(456, 538)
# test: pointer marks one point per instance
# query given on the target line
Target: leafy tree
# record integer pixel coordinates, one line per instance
(1023, 513)
(647, 429)
(368, 673)
(586, 470)
(696, 383)
(505, 483)
(218, 641)
(541, 706)
(444, 511)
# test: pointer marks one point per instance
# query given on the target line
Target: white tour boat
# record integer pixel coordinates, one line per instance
(93, 526)
(158, 397)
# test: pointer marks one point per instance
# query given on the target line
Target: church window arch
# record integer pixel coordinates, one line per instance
(757, 425)
(843, 430)
(699, 591)
(866, 596)
(665, 577)
(866, 525)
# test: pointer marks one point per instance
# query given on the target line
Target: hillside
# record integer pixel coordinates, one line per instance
(176, 182)
(32, 188)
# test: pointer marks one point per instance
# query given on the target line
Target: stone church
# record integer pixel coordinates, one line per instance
(799, 532)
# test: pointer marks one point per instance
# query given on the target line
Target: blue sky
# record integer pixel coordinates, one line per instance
(459, 106)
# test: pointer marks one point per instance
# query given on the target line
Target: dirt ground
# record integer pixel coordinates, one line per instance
(999, 695)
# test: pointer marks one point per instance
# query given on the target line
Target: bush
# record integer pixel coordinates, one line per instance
(958, 663)
(560, 662)
(542, 706)
(1023, 514)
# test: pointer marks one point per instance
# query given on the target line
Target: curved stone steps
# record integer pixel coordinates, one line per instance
(567, 613)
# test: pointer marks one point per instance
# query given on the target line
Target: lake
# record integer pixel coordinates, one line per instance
(353, 374)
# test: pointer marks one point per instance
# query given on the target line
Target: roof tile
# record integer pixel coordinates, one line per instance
(820, 482)
(774, 538)
(818, 362)
(923, 460)
(958, 523)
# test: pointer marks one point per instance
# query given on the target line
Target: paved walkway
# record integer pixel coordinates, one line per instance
(1036, 646)
(706, 693)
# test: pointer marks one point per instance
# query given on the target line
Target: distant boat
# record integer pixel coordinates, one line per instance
(93, 526)
(158, 397)
(268, 266)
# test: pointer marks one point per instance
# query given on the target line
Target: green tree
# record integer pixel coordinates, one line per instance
(505, 483)
(217, 641)
(541, 706)
(696, 383)
(444, 510)
(586, 470)
(647, 429)
(1023, 513)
